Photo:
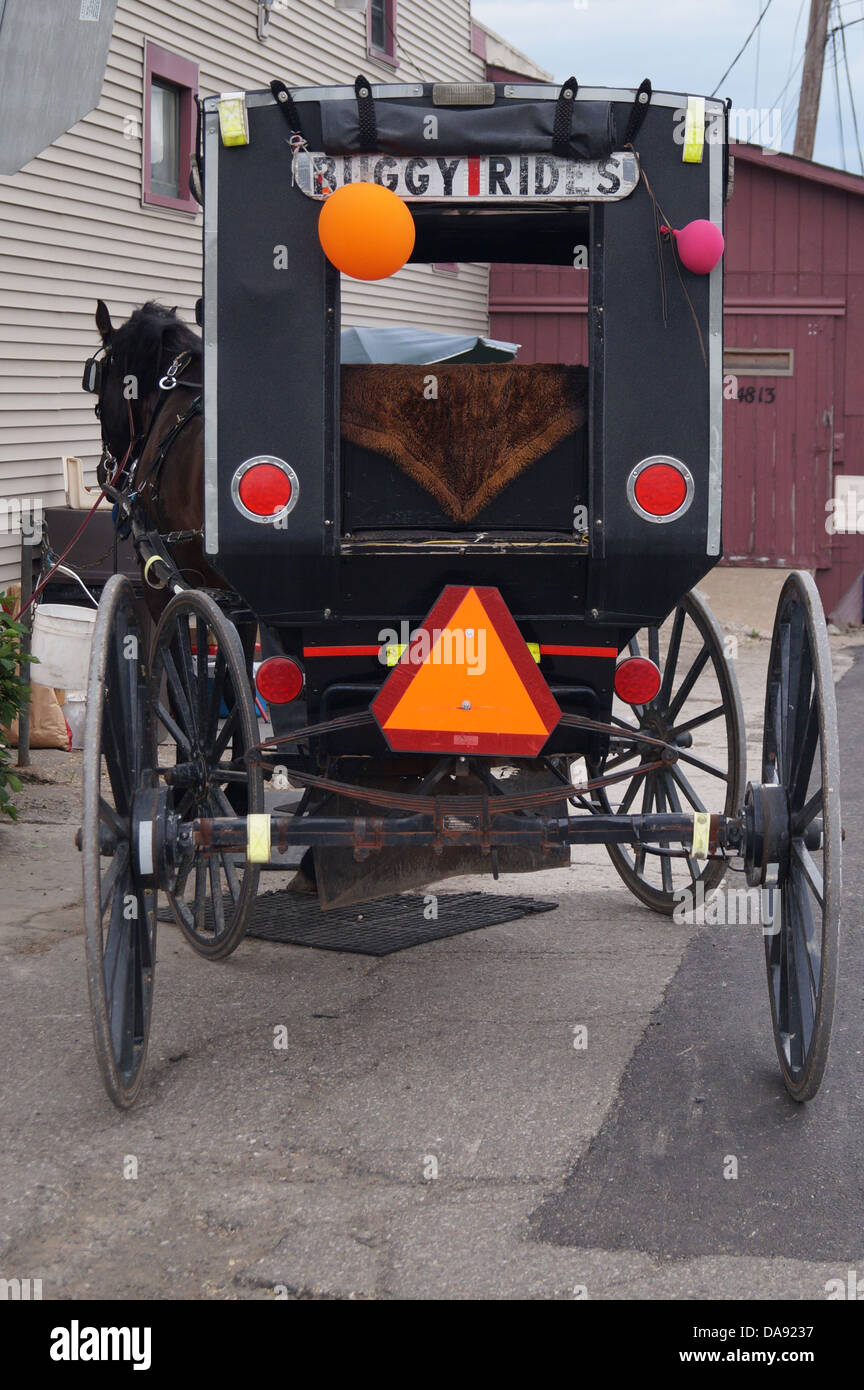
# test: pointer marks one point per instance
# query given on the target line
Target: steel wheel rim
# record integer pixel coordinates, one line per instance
(800, 752)
(120, 914)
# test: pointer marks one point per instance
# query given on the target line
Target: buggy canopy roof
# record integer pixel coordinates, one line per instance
(420, 346)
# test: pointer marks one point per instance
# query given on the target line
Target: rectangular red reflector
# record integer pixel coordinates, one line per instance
(341, 651)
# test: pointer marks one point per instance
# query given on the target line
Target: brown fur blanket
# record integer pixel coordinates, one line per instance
(462, 432)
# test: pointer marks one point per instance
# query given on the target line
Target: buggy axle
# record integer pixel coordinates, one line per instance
(449, 827)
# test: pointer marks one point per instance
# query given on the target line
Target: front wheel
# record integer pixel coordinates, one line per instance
(698, 709)
(201, 695)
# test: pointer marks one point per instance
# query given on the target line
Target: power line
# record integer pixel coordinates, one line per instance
(839, 107)
(743, 47)
(851, 98)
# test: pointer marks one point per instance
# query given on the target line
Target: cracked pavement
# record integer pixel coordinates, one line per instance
(399, 1147)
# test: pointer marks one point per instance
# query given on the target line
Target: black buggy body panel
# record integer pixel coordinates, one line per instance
(361, 551)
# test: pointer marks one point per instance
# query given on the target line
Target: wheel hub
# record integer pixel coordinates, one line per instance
(155, 826)
(767, 835)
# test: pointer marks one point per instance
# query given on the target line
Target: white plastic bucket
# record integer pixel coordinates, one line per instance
(62, 634)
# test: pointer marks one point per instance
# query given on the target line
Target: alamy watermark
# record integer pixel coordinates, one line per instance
(727, 907)
(22, 516)
(440, 647)
(748, 125)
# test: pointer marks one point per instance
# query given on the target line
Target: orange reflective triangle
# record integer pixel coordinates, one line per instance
(467, 682)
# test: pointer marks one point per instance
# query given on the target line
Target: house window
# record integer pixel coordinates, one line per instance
(382, 30)
(170, 88)
(446, 267)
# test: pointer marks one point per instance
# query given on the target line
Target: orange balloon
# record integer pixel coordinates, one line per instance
(366, 231)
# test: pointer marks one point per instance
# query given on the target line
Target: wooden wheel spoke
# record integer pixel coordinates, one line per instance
(672, 652)
(801, 819)
(225, 733)
(675, 803)
(630, 795)
(179, 697)
(173, 728)
(182, 648)
(697, 722)
(200, 908)
(687, 684)
(116, 870)
(109, 817)
(217, 693)
(216, 904)
(803, 758)
(703, 766)
(809, 869)
(665, 865)
(202, 675)
(802, 978)
(774, 734)
(119, 771)
(691, 794)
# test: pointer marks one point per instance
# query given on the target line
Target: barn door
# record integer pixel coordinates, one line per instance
(777, 439)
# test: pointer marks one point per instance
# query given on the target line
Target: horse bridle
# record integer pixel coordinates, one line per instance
(93, 381)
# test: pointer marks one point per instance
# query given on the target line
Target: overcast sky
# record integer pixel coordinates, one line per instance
(686, 46)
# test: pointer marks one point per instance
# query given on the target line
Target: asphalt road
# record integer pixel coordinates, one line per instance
(430, 1131)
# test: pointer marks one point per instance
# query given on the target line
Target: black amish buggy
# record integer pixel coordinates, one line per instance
(473, 582)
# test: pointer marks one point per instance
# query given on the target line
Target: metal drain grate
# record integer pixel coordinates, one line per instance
(386, 925)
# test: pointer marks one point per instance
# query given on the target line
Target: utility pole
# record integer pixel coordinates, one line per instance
(811, 79)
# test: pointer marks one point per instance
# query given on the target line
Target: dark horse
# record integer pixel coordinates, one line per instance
(157, 431)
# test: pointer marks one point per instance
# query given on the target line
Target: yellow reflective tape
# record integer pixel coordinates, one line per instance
(393, 653)
(701, 830)
(233, 118)
(534, 649)
(258, 837)
(151, 561)
(694, 130)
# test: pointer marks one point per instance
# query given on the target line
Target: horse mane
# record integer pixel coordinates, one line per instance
(146, 344)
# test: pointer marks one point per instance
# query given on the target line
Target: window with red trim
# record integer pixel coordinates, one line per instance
(381, 30)
(170, 88)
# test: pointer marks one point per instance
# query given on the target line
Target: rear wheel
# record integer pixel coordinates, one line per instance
(698, 708)
(119, 901)
(801, 774)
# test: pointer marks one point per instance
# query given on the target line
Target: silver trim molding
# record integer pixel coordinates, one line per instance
(210, 333)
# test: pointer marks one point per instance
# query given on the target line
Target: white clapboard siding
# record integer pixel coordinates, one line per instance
(73, 229)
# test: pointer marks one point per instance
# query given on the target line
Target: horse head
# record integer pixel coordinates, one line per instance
(125, 371)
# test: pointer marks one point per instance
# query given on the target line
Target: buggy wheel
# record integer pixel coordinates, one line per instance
(800, 756)
(119, 908)
(200, 691)
(698, 708)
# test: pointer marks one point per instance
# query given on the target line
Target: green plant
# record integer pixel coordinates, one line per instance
(14, 694)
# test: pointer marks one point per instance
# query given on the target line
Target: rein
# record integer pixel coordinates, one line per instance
(129, 497)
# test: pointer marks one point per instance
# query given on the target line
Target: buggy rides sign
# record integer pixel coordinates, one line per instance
(499, 178)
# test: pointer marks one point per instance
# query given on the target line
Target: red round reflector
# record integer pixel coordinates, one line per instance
(660, 489)
(637, 680)
(264, 489)
(279, 680)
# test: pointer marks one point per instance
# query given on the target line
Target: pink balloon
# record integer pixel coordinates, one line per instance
(700, 245)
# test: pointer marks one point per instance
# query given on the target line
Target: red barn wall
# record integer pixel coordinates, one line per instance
(794, 279)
